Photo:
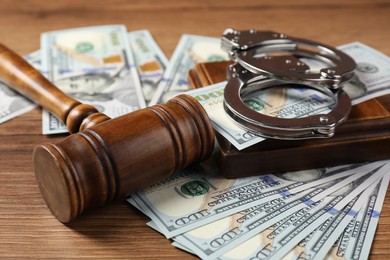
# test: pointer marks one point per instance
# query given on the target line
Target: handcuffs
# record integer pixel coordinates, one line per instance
(265, 59)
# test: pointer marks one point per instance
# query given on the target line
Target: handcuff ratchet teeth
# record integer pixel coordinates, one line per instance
(266, 59)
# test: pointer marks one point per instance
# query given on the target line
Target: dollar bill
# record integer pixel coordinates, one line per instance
(373, 72)
(151, 62)
(197, 190)
(303, 228)
(209, 245)
(35, 59)
(195, 197)
(94, 65)
(261, 244)
(190, 50)
(325, 235)
(293, 103)
(211, 98)
(180, 246)
(205, 240)
(12, 104)
(334, 243)
(366, 223)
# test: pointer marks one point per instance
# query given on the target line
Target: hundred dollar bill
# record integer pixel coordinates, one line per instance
(335, 243)
(373, 72)
(264, 243)
(210, 245)
(204, 240)
(12, 104)
(195, 193)
(180, 246)
(211, 98)
(366, 223)
(94, 65)
(35, 59)
(318, 243)
(301, 250)
(325, 235)
(260, 245)
(196, 197)
(151, 62)
(244, 193)
(302, 228)
(293, 103)
(338, 249)
(190, 50)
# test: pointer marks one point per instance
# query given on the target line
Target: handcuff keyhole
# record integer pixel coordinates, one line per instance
(324, 119)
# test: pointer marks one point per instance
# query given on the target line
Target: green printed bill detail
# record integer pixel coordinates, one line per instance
(190, 50)
(12, 104)
(227, 236)
(150, 61)
(176, 212)
(293, 102)
(193, 193)
(94, 65)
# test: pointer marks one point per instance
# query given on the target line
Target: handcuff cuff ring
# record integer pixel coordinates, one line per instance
(251, 48)
(314, 126)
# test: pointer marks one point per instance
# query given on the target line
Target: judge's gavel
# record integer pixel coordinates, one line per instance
(106, 159)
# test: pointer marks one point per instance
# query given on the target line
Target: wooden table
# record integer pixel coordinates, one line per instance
(27, 228)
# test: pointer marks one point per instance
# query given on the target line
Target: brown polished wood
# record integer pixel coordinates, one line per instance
(118, 231)
(120, 156)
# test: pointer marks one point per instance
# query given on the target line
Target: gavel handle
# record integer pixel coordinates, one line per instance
(25, 79)
(111, 159)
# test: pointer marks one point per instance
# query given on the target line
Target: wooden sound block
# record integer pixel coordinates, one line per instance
(364, 137)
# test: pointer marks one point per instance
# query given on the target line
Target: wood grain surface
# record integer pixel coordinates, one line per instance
(27, 228)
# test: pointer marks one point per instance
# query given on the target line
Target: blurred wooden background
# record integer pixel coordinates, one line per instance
(27, 229)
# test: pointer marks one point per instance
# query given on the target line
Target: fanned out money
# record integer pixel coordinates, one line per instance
(296, 215)
(313, 214)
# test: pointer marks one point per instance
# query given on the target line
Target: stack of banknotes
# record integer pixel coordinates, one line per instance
(114, 70)
(313, 214)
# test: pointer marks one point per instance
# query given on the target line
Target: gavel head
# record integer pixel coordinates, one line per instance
(117, 157)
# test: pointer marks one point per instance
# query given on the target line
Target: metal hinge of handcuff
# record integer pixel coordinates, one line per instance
(265, 59)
